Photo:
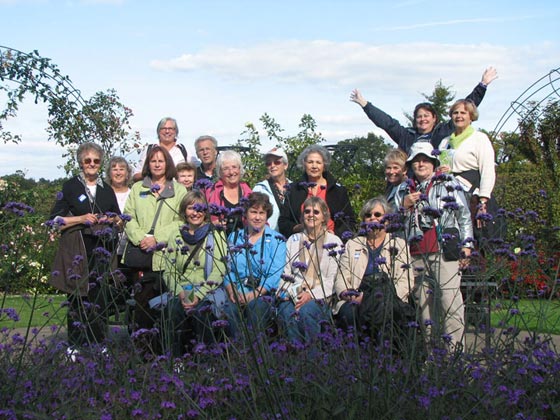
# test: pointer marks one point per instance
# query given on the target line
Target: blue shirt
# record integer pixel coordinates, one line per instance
(264, 260)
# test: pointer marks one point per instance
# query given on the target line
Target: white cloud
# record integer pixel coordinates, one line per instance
(400, 66)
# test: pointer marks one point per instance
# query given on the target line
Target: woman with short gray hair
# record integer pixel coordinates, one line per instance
(316, 182)
(228, 191)
(86, 212)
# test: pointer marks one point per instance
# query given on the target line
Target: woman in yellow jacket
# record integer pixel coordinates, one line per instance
(153, 209)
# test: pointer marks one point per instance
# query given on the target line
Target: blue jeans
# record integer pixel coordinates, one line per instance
(257, 312)
(303, 325)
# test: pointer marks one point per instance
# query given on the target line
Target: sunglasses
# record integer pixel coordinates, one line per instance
(314, 211)
(275, 162)
(87, 161)
(376, 214)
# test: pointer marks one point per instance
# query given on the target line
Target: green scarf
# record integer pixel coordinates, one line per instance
(455, 141)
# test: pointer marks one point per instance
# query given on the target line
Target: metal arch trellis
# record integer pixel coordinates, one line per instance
(528, 103)
(71, 118)
(40, 65)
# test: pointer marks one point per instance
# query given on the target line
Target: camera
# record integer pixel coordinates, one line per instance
(251, 282)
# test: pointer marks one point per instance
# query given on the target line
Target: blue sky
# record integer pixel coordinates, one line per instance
(216, 65)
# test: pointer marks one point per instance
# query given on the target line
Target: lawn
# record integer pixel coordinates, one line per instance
(534, 315)
(538, 315)
(33, 311)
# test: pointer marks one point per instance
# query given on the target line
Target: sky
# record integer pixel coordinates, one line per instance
(217, 65)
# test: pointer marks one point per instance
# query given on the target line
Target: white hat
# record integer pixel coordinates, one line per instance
(423, 148)
(276, 151)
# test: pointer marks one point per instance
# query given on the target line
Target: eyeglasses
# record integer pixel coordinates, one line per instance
(314, 211)
(87, 161)
(167, 128)
(275, 162)
(376, 214)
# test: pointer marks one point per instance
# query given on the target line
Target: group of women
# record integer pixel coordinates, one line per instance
(247, 256)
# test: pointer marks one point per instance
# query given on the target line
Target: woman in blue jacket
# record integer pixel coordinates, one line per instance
(257, 259)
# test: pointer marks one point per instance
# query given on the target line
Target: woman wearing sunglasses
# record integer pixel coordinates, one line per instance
(275, 185)
(425, 126)
(309, 274)
(374, 259)
(86, 213)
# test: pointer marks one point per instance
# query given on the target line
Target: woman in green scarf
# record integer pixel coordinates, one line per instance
(469, 155)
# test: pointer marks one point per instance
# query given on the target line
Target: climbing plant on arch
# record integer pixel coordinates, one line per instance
(71, 118)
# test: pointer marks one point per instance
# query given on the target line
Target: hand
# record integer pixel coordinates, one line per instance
(187, 306)
(357, 97)
(489, 75)
(302, 299)
(464, 262)
(148, 242)
(481, 209)
(444, 169)
(89, 219)
(411, 199)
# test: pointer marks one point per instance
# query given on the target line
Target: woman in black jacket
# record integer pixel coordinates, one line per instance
(425, 127)
(86, 213)
(316, 181)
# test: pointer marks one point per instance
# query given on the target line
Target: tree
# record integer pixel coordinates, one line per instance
(440, 99)
(358, 164)
(72, 119)
(292, 145)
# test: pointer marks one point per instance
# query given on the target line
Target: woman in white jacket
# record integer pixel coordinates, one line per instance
(275, 185)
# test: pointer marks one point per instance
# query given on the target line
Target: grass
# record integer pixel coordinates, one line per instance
(539, 315)
(33, 311)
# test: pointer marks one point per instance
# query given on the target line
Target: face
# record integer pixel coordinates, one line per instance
(157, 165)
(461, 117)
(314, 166)
(256, 217)
(231, 172)
(275, 166)
(423, 167)
(91, 163)
(195, 217)
(118, 174)
(425, 121)
(206, 152)
(313, 218)
(394, 173)
(375, 214)
(167, 132)
(186, 178)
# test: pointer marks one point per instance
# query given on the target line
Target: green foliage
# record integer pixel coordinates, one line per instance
(24, 268)
(529, 168)
(440, 99)
(72, 120)
(358, 164)
(251, 144)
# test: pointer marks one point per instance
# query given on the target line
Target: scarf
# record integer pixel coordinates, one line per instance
(310, 253)
(455, 141)
(198, 235)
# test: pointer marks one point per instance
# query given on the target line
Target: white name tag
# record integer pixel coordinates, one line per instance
(82, 198)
